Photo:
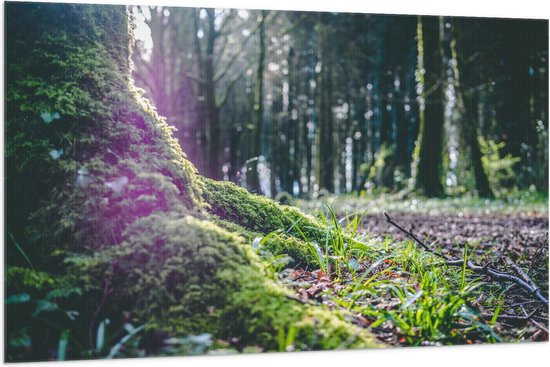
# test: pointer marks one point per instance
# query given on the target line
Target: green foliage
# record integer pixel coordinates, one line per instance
(382, 170)
(28, 278)
(401, 288)
(407, 290)
(468, 204)
(499, 168)
(44, 307)
(315, 250)
(336, 250)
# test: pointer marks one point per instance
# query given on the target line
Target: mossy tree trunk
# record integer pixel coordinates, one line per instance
(119, 194)
(465, 78)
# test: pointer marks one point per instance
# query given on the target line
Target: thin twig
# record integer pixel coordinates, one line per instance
(522, 303)
(486, 269)
(540, 326)
(534, 322)
(297, 300)
(540, 250)
(107, 290)
(512, 317)
(412, 235)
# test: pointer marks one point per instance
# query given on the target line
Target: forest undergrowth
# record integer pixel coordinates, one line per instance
(404, 294)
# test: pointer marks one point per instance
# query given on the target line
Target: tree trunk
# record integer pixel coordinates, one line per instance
(200, 105)
(252, 173)
(325, 145)
(468, 105)
(471, 137)
(212, 158)
(125, 199)
(428, 175)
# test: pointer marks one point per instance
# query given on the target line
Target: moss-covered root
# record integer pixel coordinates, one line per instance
(274, 243)
(215, 283)
(252, 216)
(256, 213)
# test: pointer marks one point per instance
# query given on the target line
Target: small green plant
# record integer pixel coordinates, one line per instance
(338, 242)
(427, 306)
(409, 291)
(274, 262)
(320, 257)
(286, 339)
(499, 168)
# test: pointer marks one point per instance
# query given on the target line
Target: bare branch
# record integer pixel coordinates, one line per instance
(140, 9)
(230, 86)
(519, 271)
(226, 20)
(511, 317)
(221, 74)
(412, 235)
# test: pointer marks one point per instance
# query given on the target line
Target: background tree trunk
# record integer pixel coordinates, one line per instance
(468, 105)
(429, 176)
(252, 172)
(325, 144)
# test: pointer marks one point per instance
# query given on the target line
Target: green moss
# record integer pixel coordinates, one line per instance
(186, 276)
(297, 249)
(259, 311)
(256, 213)
(74, 65)
(275, 243)
(165, 270)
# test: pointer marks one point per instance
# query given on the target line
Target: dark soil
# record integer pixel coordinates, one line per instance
(520, 236)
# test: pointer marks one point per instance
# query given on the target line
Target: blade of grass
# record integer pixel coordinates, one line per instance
(463, 278)
(62, 345)
(21, 250)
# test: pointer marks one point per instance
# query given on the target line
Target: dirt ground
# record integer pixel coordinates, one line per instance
(521, 236)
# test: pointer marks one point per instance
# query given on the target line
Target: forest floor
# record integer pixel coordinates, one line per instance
(401, 293)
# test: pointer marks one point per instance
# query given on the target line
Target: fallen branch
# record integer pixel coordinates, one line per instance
(486, 269)
(519, 271)
(298, 300)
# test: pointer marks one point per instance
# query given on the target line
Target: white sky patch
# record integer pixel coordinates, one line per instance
(142, 33)
(219, 16)
(243, 14)
(273, 66)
